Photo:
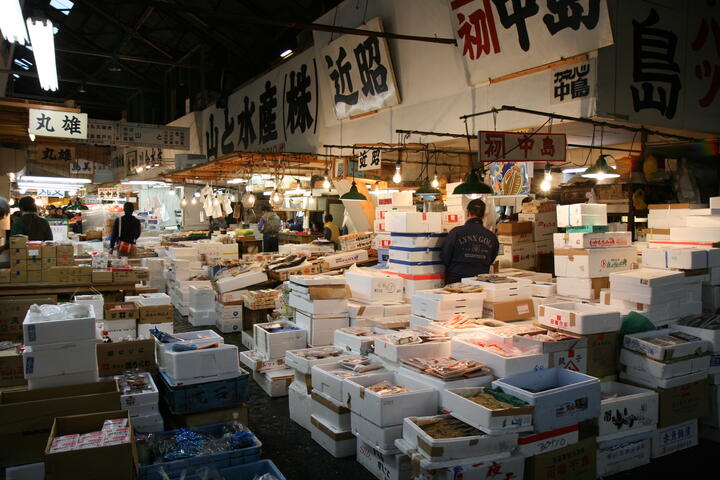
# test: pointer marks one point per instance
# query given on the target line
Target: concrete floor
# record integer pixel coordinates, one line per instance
(297, 456)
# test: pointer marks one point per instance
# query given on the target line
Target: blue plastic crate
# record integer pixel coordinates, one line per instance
(249, 471)
(182, 400)
(230, 458)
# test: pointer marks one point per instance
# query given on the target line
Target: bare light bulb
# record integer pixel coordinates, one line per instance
(326, 184)
(232, 198)
(197, 194)
(435, 183)
(172, 192)
(546, 183)
(193, 201)
(397, 178)
(139, 169)
(183, 203)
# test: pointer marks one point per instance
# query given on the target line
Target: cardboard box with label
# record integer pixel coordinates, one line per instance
(117, 358)
(510, 310)
(574, 462)
(544, 224)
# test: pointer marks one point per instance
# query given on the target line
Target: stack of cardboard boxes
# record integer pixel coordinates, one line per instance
(36, 262)
(517, 245)
(544, 219)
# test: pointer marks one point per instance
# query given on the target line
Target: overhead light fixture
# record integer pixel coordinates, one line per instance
(600, 169)
(139, 169)
(33, 178)
(193, 201)
(236, 181)
(172, 192)
(326, 183)
(276, 199)
(435, 183)
(427, 189)
(397, 178)
(574, 170)
(153, 183)
(472, 185)
(12, 24)
(81, 88)
(196, 194)
(353, 194)
(183, 203)
(48, 186)
(286, 53)
(41, 36)
(248, 199)
(547, 181)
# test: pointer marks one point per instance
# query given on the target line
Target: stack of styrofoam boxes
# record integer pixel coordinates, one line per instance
(544, 289)
(376, 298)
(517, 245)
(418, 265)
(156, 269)
(155, 311)
(570, 352)
(675, 364)
(181, 294)
(659, 295)
(506, 298)
(671, 224)
(455, 215)
(60, 345)
(272, 340)
(212, 251)
(120, 321)
(587, 254)
(229, 316)
(385, 203)
(544, 219)
(202, 306)
(139, 396)
(439, 305)
(320, 304)
(97, 302)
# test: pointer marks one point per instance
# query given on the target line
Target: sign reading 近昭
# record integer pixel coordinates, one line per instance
(521, 147)
(370, 159)
(53, 123)
(359, 73)
(498, 37)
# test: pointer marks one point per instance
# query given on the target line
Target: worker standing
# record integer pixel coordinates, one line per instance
(126, 230)
(331, 232)
(470, 249)
(269, 226)
(30, 223)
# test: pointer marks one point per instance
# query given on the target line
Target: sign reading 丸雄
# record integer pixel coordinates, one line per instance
(53, 123)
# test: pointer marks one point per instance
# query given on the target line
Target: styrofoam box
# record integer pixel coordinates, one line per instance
(498, 466)
(131, 401)
(396, 353)
(500, 366)
(30, 471)
(150, 423)
(299, 405)
(593, 263)
(414, 222)
(626, 410)
(712, 336)
(122, 335)
(200, 338)
(543, 289)
(416, 283)
(359, 345)
(199, 366)
(326, 381)
(120, 325)
(591, 240)
(90, 376)
(581, 318)
(143, 329)
(373, 286)
(686, 258)
(319, 307)
(416, 268)
(330, 411)
(441, 449)
(338, 443)
(437, 304)
(518, 289)
(531, 444)
(381, 211)
(639, 342)
(518, 419)
(695, 235)
(238, 282)
(650, 381)
(561, 397)
(320, 329)
(575, 287)
(674, 438)
(624, 453)
(638, 364)
(415, 254)
(201, 298)
(304, 365)
(97, 301)
(229, 312)
(581, 214)
(37, 330)
(440, 384)
(201, 318)
(393, 199)
(385, 466)
(382, 438)
(426, 240)
(274, 345)
(387, 410)
(60, 358)
(379, 226)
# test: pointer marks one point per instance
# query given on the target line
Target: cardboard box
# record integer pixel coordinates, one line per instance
(509, 311)
(5, 275)
(48, 251)
(18, 241)
(65, 261)
(544, 224)
(18, 263)
(683, 403)
(11, 369)
(129, 310)
(13, 310)
(514, 228)
(531, 444)
(574, 462)
(64, 251)
(102, 276)
(116, 358)
(34, 276)
(18, 276)
(517, 239)
(26, 416)
(113, 462)
(155, 313)
(593, 263)
(237, 412)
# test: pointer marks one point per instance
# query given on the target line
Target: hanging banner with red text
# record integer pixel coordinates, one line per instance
(521, 147)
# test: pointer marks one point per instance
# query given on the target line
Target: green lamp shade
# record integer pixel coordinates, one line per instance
(472, 185)
(427, 189)
(353, 194)
(600, 170)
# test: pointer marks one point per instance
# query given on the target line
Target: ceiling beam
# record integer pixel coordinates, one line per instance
(127, 58)
(25, 73)
(80, 101)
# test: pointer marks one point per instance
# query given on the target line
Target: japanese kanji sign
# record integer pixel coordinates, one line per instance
(521, 147)
(498, 37)
(105, 132)
(54, 153)
(573, 82)
(359, 73)
(277, 112)
(53, 123)
(370, 159)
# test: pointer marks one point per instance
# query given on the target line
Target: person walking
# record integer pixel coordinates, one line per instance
(269, 226)
(126, 230)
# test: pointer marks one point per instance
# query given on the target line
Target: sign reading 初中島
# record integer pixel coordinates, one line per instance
(359, 73)
(521, 147)
(498, 37)
(369, 159)
(53, 123)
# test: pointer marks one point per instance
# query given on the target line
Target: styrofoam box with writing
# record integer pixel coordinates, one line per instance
(626, 409)
(674, 438)
(531, 444)
(624, 453)
(593, 263)
(385, 466)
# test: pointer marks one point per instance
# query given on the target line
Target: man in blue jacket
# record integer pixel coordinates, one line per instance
(471, 249)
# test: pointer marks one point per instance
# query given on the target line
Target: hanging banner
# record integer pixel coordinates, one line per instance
(104, 132)
(521, 147)
(498, 37)
(53, 123)
(370, 159)
(275, 113)
(359, 73)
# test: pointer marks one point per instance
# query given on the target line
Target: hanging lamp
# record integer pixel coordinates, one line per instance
(353, 194)
(472, 185)
(600, 169)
